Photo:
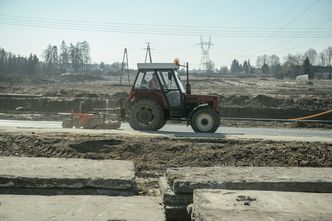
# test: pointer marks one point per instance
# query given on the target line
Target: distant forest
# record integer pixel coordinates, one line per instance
(76, 58)
(292, 65)
(55, 60)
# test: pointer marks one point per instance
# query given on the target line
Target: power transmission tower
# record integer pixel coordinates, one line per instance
(125, 58)
(148, 52)
(205, 60)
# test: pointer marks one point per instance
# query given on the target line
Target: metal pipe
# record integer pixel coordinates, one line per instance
(277, 120)
(188, 86)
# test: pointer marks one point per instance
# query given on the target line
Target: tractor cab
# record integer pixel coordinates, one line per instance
(158, 95)
(162, 82)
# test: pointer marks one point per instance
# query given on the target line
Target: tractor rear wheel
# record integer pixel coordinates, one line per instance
(205, 120)
(146, 114)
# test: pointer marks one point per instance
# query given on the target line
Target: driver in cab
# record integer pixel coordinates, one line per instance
(154, 83)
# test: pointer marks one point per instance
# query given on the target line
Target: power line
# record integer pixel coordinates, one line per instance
(307, 42)
(235, 32)
(285, 42)
(284, 26)
(85, 22)
(155, 32)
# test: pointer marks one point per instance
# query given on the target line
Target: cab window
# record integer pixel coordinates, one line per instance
(168, 80)
(147, 81)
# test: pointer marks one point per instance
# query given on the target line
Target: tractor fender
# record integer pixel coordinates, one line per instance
(193, 111)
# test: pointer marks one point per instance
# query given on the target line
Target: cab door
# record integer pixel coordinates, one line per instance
(173, 94)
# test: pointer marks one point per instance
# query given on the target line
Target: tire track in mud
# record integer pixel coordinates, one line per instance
(34, 146)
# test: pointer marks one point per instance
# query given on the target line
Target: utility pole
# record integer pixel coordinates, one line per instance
(205, 47)
(125, 58)
(148, 52)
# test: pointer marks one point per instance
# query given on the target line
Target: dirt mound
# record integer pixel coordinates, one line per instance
(159, 153)
(264, 101)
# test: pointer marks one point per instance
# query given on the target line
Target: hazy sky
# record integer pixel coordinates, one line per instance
(241, 29)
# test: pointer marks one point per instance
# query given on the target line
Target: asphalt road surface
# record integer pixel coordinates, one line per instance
(180, 130)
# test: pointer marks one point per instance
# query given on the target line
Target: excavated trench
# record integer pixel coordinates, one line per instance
(96, 146)
(233, 107)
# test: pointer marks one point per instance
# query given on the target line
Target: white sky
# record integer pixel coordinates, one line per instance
(241, 29)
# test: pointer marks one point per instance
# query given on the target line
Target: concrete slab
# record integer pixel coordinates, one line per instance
(37, 208)
(26, 172)
(67, 191)
(263, 205)
(170, 198)
(297, 179)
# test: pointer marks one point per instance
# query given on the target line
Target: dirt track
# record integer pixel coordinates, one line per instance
(152, 155)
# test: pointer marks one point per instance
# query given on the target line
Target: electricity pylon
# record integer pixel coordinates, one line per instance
(148, 52)
(205, 60)
(125, 65)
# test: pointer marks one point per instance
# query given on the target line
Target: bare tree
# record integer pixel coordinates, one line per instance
(322, 58)
(274, 62)
(63, 56)
(292, 64)
(328, 53)
(265, 59)
(47, 54)
(261, 60)
(55, 57)
(51, 57)
(311, 54)
(85, 51)
(210, 66)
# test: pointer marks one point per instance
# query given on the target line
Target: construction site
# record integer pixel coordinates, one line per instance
(57, 151)
(171, 140)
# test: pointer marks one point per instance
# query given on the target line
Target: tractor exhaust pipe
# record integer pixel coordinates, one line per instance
(188, 86)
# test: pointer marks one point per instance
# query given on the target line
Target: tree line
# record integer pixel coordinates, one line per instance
(11, 63)
(64, 58)
(292, 66)
(55, 59)
(76, 57)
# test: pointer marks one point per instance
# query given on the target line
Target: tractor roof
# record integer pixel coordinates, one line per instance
(154, 66)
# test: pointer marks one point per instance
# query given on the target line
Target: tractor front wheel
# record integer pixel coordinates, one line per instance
(146, 114)
(205, 120)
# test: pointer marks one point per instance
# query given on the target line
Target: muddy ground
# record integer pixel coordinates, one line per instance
(152, 155)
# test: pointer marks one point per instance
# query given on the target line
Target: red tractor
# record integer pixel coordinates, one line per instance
(158, 95)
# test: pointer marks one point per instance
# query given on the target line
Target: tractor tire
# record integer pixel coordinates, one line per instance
(67, 123)
(205, 120)
(146, 114)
